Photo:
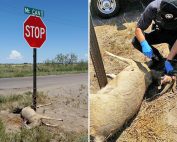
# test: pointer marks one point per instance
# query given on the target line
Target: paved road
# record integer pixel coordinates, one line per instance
(44, 83)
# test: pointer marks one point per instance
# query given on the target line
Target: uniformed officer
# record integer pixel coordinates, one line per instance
(164, 15)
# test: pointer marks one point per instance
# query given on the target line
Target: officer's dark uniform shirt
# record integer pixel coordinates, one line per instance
(149, 15)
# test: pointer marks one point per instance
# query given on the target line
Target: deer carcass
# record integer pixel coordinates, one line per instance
(119, 100)
(33, 119)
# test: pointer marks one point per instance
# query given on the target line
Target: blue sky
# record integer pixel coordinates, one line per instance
(67, 29)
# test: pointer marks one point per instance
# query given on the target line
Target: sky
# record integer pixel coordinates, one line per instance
(67, 29)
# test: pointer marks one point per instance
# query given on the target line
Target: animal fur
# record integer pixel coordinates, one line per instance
(33, 119)
(119, 100)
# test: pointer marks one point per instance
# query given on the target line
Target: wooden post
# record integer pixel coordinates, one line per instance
(96, 57)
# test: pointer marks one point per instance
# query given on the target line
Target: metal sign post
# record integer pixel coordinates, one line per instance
(35, 35)
(34, 78)
(96, 57)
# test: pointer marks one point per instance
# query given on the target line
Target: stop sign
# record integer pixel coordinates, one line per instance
(34, 31)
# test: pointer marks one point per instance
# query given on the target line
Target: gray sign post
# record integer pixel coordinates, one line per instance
(96, 57)
(33, 40)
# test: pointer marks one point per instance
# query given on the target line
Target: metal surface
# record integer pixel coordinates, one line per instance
(106, 6)
(34, 31)
(34, 11)
(34, 79)
(96, 57)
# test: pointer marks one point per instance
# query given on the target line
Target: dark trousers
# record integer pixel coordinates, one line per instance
(157, 36)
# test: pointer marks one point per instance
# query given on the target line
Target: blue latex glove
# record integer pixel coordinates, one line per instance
(147, 50)
(168, 67)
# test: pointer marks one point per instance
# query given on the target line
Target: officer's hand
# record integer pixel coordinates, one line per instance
(168, 67)
(167, 79)
(147, 50)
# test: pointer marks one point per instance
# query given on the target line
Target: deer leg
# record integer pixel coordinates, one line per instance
(167, 88)
(50, 125)
(111, 76)
(174, 87)
(125, 60)
(99, 139)
(44, 105)
(49, 118)
(34, 124)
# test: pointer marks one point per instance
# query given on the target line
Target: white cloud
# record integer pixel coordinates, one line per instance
(15, 55)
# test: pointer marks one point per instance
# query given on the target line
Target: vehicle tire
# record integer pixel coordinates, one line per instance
(105, 8)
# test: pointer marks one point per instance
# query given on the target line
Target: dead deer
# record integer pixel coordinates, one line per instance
(32, 119)
(119, 100)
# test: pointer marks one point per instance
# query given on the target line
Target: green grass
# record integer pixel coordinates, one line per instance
(23, 70)
(38, 134)
(21, 100)
(41, 134)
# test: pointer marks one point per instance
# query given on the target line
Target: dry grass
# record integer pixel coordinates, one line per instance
(20, 100)
(109, 39)
(156, 120)
(11, 128)
(117, 42)
(41, 134)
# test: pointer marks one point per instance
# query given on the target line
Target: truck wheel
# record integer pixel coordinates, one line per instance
(105, 8)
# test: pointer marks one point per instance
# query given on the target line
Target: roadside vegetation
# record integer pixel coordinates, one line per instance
(61, 64)
(41, 134)
(37, 134)
(21, 100)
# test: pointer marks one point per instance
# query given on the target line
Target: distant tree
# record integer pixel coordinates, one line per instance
(73, 58)
(47, 61)
(66, 59)
(63, 59)
(60, 58)
(53, 61)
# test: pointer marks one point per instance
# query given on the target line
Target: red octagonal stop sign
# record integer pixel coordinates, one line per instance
(34, 31)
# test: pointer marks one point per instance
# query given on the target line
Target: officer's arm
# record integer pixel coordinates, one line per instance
(173, 52)
(145, 21)
(139, 34)
(168, 66)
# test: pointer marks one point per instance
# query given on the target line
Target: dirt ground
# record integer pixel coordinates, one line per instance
(155, 122)
(68, 102)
